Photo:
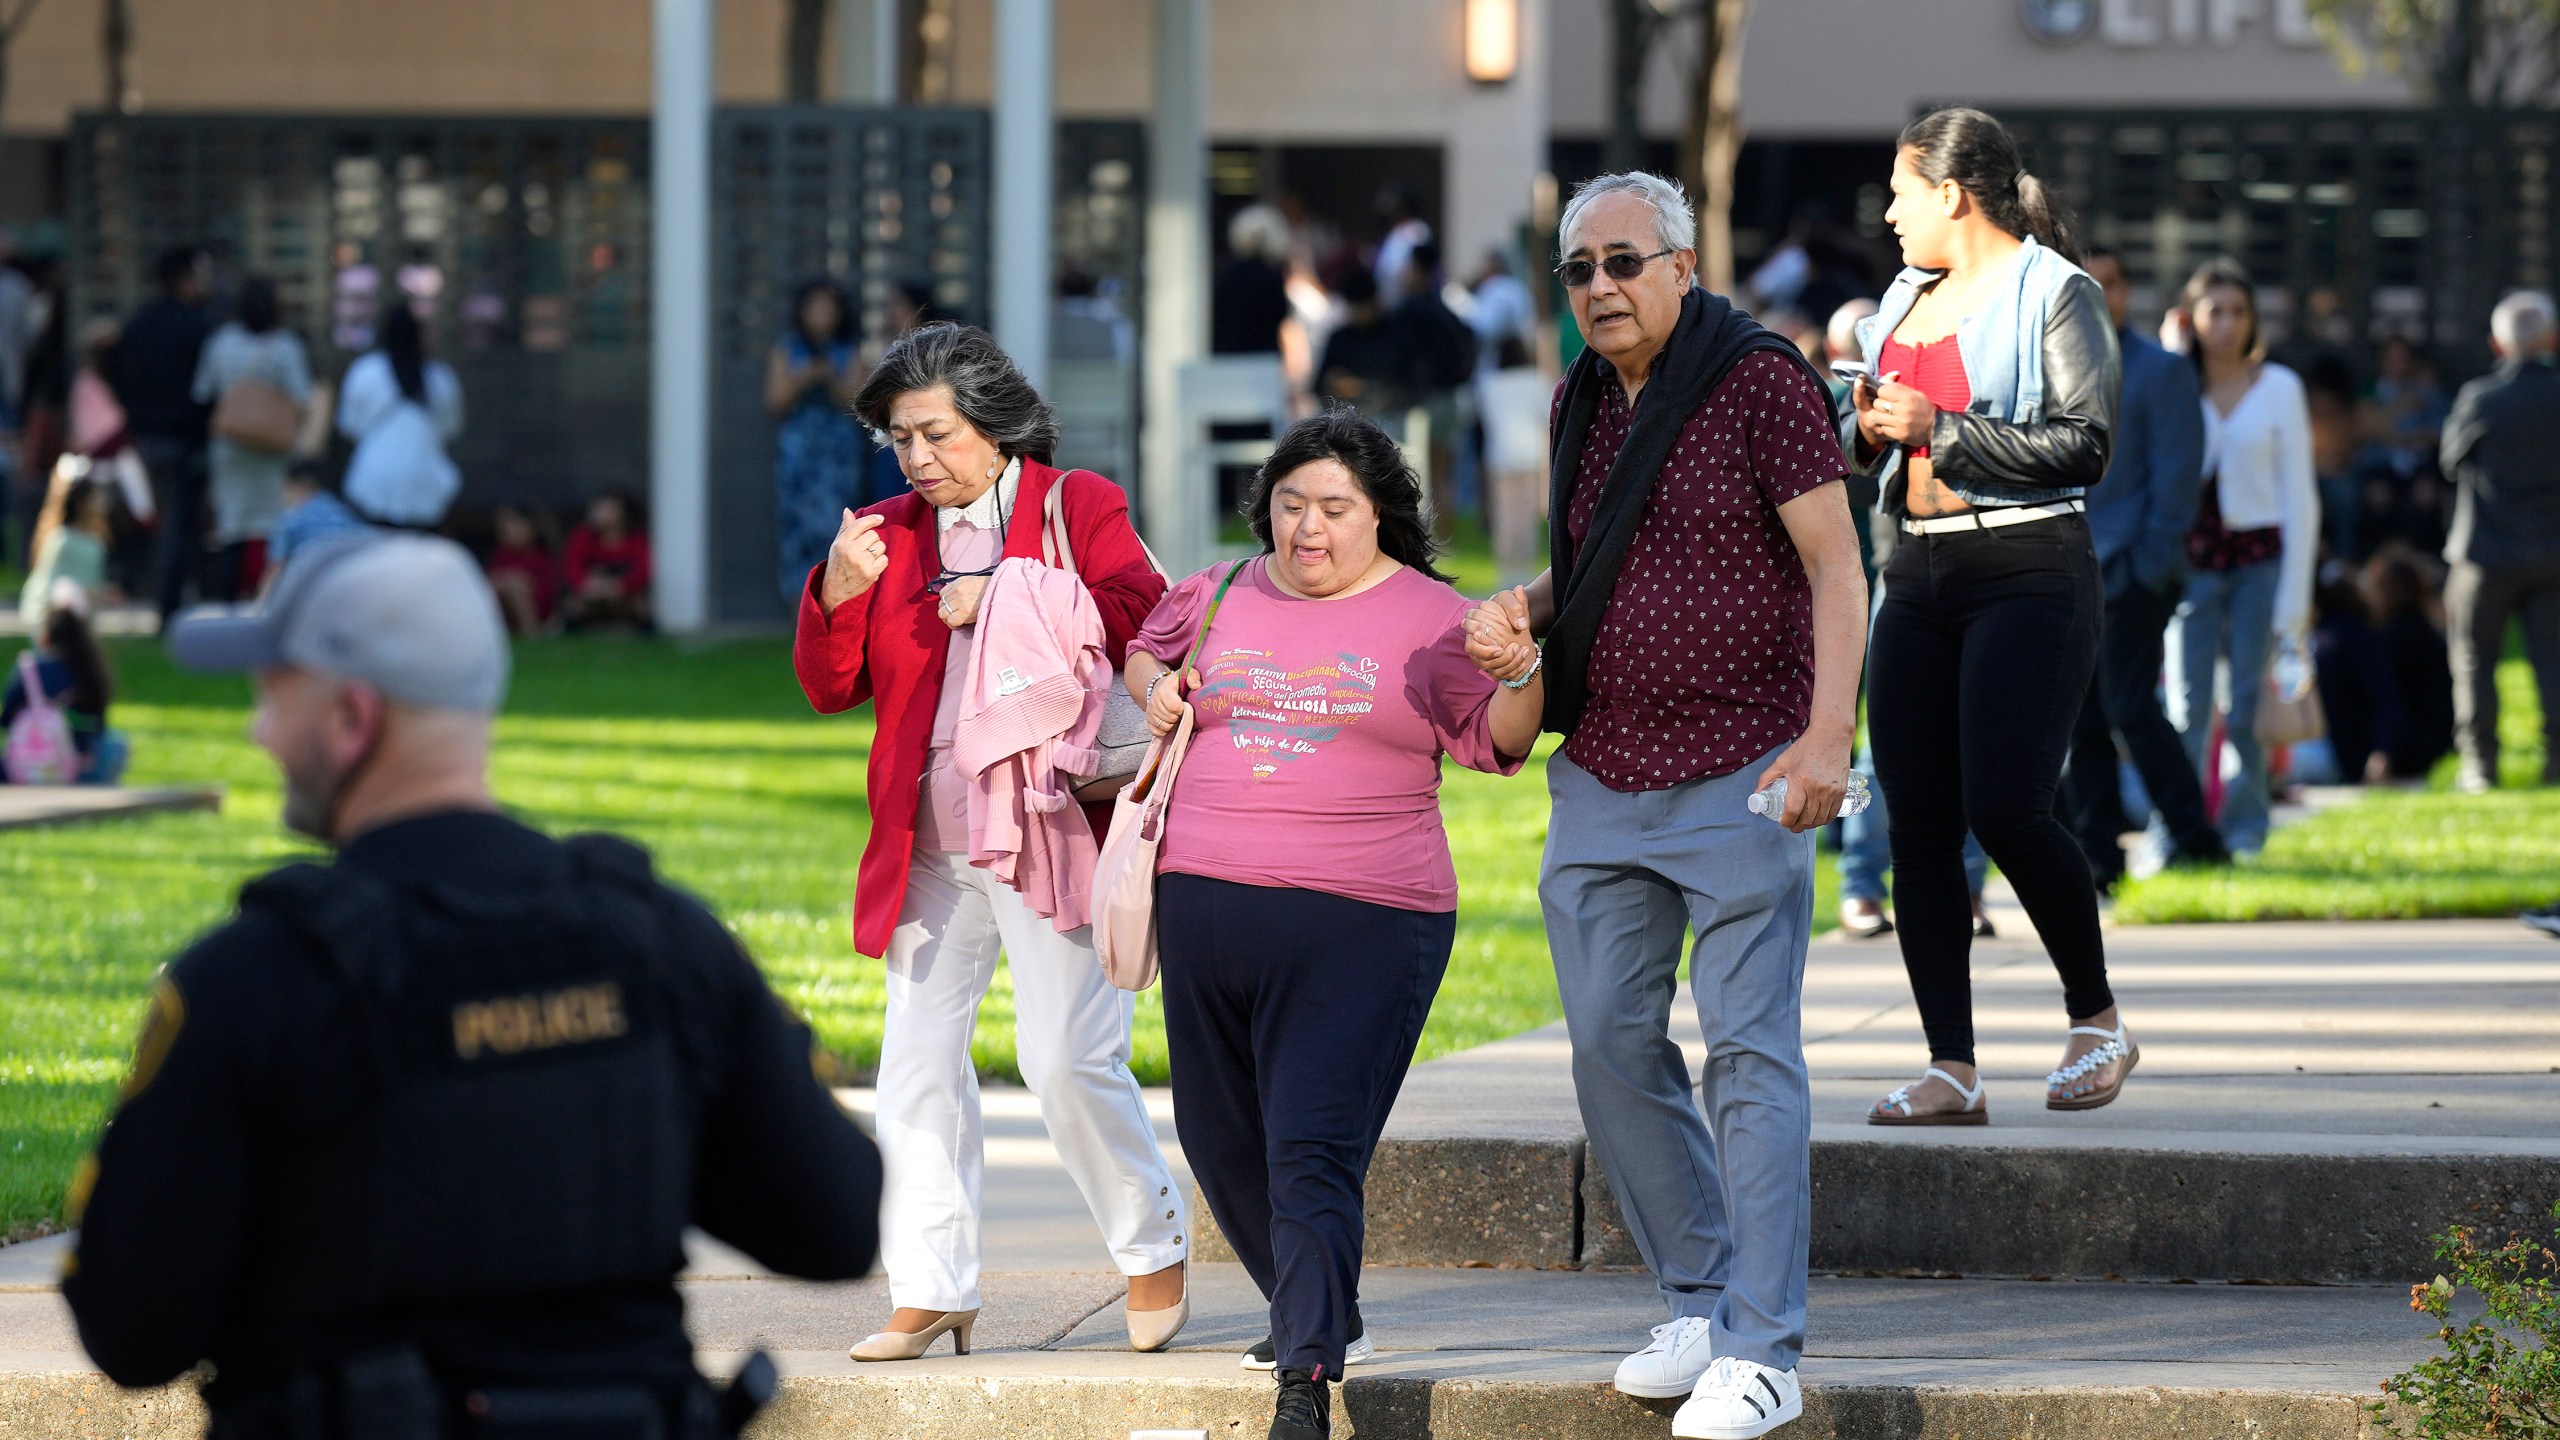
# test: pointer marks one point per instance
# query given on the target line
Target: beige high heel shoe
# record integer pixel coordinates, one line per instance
(1152, 1330)
(901, 1345)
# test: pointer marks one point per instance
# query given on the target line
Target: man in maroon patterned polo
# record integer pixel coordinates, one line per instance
(1704, 624)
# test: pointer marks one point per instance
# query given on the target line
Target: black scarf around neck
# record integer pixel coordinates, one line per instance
(1712, 336)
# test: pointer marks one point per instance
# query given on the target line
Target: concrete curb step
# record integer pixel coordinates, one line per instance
(1440, 1396)
(2165, 1205)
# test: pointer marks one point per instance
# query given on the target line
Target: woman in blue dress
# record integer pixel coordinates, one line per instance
(819, 450)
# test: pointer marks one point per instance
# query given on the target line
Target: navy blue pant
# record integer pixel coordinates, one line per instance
(1291, 1016)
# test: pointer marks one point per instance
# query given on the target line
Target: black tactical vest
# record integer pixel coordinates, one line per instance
(519, 1119)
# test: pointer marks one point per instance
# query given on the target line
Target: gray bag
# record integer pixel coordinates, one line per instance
(1124, 737)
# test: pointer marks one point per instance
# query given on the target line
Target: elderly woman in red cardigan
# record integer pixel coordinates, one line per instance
(890, 618)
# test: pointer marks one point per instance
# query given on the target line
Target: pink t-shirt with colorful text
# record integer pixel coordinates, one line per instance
(1316, 761)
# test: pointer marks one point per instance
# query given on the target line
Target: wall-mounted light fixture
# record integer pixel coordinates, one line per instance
(1493, 40)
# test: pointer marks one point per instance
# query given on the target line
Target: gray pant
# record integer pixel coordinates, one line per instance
(1722, 1221)
(2478, 603)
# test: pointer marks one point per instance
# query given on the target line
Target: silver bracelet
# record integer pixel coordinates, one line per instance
(1537, 663)
(1150, 696)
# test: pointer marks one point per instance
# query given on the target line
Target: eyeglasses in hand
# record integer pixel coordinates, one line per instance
(1622, 267)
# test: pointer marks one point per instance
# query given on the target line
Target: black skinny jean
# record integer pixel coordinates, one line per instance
(1977, 674)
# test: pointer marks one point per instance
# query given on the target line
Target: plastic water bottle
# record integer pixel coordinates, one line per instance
(1772, 802)
(2292, 671)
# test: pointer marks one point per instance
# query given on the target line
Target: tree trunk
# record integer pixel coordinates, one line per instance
(1631, 24)
(115, 43)
(803, 44)
(2457, 61)
(1712, 140)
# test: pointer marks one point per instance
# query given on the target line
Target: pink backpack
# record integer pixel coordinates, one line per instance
(40, 750)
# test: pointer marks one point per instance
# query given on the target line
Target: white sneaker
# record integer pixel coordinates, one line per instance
(1670, 1366)
(1737, 1400)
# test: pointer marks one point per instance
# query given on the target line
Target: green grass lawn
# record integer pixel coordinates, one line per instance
(706, 753)
(2395, 854)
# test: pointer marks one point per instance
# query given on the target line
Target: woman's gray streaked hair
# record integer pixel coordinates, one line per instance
(987, 388)
(1675, 221)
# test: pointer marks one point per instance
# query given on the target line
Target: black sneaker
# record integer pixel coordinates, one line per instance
(2207, 854)
(1305, 1408)
(2546, 920)
(1355, 1351)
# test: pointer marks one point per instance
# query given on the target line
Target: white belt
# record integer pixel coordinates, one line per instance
(1991, 519)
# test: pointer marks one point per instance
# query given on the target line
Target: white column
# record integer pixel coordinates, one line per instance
(1497, 150)
(866, 52)
(1026, 126)
(680, 314)
(1177, 295)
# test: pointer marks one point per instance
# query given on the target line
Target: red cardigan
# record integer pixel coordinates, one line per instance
(887, 646)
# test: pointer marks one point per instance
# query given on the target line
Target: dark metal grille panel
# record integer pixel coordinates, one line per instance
(2418, 220)
(871, 197)
(527, 238)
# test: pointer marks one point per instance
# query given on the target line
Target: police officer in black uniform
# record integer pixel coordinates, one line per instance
(410, 1143)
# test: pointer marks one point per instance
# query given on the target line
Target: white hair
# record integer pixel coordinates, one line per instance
(2523, 323)
(1840, 337)
(1260, 231)
(1675, 223)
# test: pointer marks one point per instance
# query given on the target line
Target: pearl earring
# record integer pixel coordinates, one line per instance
(991, 472)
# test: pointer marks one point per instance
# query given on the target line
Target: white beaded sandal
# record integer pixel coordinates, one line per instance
(2117, 1047)
(1975, 1112)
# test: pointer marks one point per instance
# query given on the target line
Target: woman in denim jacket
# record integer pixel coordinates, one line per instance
(1987, 418)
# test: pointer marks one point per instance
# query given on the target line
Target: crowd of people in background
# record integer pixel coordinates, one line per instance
(2268, 516)
(190, 452)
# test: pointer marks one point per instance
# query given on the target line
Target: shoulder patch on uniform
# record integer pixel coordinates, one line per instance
(161, 1020)
(75, 1199)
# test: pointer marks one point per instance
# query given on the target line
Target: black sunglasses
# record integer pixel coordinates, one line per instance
(942, 582)
(1622, 267)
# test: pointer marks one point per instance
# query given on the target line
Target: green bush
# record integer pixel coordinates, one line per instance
(2499, 1378)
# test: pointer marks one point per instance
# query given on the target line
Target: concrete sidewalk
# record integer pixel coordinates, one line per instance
(1480, 1353)
(2313, 1103)
(2269, 1051)
(25, 805)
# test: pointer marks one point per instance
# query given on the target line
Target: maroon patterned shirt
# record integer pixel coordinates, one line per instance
(1704, 662)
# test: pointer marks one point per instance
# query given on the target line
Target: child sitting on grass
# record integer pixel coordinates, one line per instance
(71, 670)
(523, 573)
(312, 511)
(71, 540)
(608, 565)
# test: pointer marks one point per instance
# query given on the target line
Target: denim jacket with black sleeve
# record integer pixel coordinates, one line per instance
(2040, 356)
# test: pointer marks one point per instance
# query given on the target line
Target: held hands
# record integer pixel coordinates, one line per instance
(960, 600)
(855, 561)
(1892, 413)
(1498, 638)
(1165, 702)
(1817, 775)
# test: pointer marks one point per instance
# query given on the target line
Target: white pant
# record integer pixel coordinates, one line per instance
(1071, 1035)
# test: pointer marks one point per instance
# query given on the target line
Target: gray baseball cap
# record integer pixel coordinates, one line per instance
(409, 615)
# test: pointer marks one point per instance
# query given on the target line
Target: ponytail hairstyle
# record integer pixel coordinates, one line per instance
(2213, 275)
(404, 340)
(1982, 157)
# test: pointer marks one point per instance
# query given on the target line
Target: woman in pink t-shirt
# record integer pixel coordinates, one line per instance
(1306, 902)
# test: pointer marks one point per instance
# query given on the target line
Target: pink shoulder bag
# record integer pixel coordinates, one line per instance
(1124, 876)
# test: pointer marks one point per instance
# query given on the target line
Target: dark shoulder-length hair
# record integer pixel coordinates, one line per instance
(1983, 158)
(988, 390)
(1375, 461)
(2216, 274)
(848, 324)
